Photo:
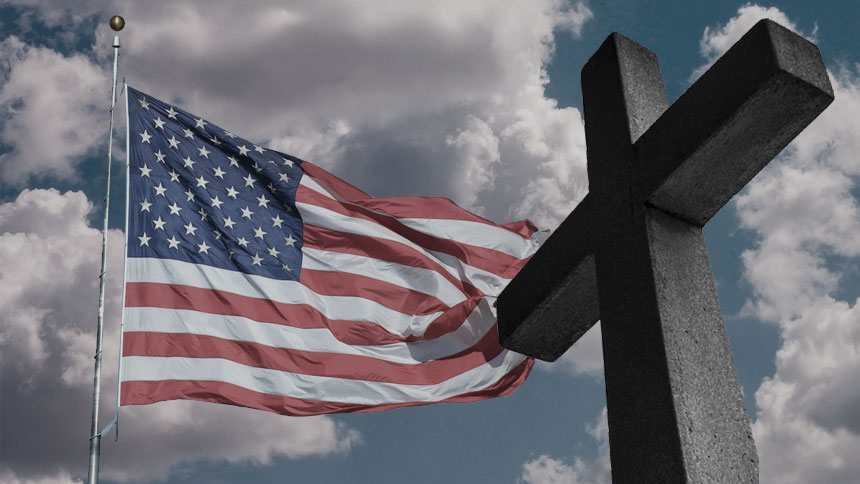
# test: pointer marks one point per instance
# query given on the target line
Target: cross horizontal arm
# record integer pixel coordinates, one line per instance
(729, 124)
(544, 323)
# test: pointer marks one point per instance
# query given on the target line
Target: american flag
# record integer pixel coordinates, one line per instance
(257, 279)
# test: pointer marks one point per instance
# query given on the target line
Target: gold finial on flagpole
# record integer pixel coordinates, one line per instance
(117, 23)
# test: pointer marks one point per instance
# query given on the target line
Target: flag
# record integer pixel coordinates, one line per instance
(257, 279)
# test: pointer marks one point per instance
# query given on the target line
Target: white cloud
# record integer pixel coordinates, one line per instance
(359, 87)
(54, 110)
(804, 210)
(716, 41)
(548, 470)
(48, 290)
(9, 477)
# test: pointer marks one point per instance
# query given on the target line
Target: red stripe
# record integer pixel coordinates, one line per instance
(490, 260)
(410, 207)
(525, 228)
(341, 188)
(335, 365)
(213, 301)
(398, 298)
(146, 392)
(382, 249)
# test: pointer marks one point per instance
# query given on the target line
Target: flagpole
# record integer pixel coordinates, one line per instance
(116, 23)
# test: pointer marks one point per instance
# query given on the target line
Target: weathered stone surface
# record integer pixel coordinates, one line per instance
(632, 253)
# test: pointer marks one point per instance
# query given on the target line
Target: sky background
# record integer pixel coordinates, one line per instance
(478, 101)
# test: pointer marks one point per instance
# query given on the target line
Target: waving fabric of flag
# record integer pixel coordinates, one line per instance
(257, 279)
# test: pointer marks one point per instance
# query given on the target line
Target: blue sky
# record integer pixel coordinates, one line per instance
(476, 101)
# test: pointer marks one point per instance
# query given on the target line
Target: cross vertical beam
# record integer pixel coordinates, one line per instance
(667, 360)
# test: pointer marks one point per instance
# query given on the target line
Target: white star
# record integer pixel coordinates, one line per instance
(144, 171)
(284, 178)
(201, 182)
(272, 162)
(233, 161)
(241, 241)
(215, 141)
(270, 187)
(288, 208)
(262, 201)
(256, 260)
(257, 167)
(190, 229)
(229, 253)
(143, 103)
(188, 133)
(202, 214)
(171, 113)
(174, 143)
(290, 241)
(203, 248)
(219, 172)
(258, 149)
(229, 223)
(160, 156)
(144, 205)
(200, 123)
(246, 212)
(231, 192)
(159, 224)
(174, 209)
(229, 134)
(204, 152)
(249, 180)
(276, 221)
(174, 176)
(243, 150)
(159, 123)
(217, 234)
(273, 252)
(189, 195)
(286, 267)
(174, 244)
(215, 202)
(144, 137)
(144, 240)
(258, 232)
(189, 162)
(287, 162)
(159, 190)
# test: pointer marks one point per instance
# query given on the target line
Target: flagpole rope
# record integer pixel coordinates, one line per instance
(115, 421)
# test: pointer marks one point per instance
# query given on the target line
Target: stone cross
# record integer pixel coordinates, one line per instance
(633, 256)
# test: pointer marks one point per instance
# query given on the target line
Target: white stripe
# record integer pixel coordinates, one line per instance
(464, 231)
(474, 233)
(418, 279)
(274, 382)
(169, 271)
(183, 321)
(487, 282)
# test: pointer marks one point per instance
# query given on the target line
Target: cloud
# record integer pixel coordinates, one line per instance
(803, 209)
(359, 87)
(716, 41)
(548, 470)
(48, 290)
(54, 111)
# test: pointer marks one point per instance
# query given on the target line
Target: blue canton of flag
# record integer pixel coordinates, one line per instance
(201, 194)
